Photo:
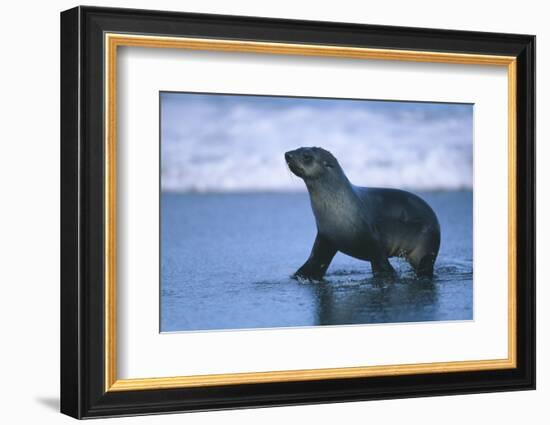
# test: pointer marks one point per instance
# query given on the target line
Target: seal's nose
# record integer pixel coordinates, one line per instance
(288, 157)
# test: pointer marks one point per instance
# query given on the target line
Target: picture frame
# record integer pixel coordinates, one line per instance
(91, 37)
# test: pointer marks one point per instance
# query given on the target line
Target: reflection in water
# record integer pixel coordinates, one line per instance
(376, 301)
(226, 262)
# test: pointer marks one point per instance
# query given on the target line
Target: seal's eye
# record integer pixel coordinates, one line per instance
(307, 158)
(328, 164)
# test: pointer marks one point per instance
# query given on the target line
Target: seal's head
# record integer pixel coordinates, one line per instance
(311, 163)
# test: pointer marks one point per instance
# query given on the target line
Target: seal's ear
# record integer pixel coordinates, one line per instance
(328, 164)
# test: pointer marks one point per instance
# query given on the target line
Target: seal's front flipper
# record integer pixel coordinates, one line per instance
(317, 264)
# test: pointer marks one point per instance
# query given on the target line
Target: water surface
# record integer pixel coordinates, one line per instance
(226, 262)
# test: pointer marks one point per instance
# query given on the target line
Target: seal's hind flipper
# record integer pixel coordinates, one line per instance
(425, 267)
(382, 267)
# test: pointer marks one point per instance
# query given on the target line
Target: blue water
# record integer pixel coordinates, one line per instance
(226, 262)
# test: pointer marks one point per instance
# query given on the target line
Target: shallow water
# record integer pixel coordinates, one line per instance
(226, 262)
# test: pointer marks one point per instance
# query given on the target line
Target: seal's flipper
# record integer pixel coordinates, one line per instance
(426, 266)
(317, 264)
(423, 256)
(382, 267)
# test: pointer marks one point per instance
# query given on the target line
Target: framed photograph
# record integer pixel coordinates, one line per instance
(261, 212)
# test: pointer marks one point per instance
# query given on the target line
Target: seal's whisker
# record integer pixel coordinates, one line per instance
(290, 174)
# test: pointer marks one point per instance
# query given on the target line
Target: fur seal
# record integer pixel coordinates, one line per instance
(371, 224)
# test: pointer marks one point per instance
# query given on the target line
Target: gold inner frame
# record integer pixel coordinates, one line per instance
(113, 41)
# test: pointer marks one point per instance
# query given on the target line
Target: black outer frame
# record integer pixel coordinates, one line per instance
(82, 219)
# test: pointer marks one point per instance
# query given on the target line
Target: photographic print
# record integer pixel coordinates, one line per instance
(289, 211)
